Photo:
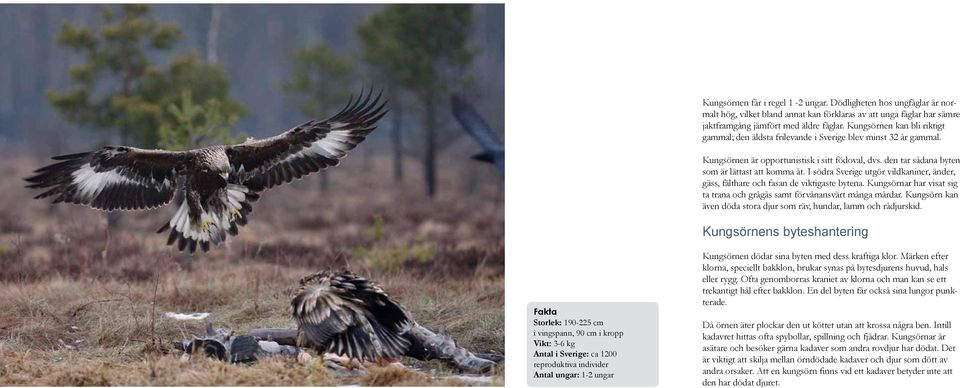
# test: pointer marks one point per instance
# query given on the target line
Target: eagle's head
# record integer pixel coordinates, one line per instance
(214, 160)
(316, 278)
(221, 164)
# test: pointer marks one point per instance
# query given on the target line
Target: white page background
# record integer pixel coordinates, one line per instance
(603, 183)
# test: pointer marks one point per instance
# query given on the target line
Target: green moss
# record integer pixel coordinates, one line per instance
(393, 258)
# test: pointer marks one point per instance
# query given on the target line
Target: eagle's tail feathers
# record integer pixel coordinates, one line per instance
(172, 237)
(181, 243)
(212, 225)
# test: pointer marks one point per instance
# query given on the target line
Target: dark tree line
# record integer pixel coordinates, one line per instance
(251, 64)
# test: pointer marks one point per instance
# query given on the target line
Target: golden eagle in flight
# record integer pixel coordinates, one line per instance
(213, 186)
(348, 315)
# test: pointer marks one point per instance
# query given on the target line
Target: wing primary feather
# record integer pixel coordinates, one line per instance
(71, 156)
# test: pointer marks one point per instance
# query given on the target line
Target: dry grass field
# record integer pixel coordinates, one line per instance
(79, 306)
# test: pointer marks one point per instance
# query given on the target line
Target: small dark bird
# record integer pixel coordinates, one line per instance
(215, 185)
(348, 315)
(477, 127)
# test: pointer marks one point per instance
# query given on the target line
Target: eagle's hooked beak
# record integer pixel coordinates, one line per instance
(224, 175)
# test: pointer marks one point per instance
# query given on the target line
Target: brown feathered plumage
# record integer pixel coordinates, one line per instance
(348, 315)
(213, 186)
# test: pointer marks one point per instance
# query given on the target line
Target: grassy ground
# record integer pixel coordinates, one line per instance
(79, 306)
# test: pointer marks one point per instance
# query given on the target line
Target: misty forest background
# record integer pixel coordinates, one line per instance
(73, 77)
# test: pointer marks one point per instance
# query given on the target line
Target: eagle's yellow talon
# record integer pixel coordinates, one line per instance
(235, 213)
(205, 225)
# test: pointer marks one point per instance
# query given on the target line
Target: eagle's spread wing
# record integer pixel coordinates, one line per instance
(348, 315)
(112, 178)
(307, 148)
